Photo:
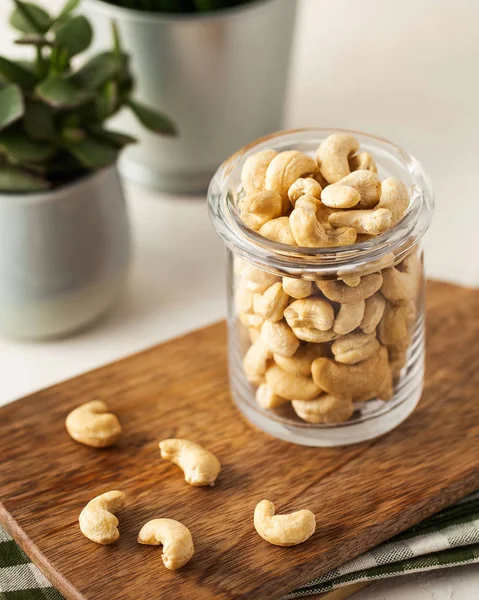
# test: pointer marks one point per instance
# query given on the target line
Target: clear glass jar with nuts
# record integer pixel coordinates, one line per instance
(326, 283)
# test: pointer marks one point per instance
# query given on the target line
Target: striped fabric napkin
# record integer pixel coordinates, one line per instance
(446, 539)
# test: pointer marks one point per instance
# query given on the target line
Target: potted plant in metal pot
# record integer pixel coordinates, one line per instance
(63, 225)
(218, 67)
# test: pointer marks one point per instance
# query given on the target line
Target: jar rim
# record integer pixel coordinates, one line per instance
(293, 261)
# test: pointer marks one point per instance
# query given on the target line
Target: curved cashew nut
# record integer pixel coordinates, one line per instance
(289, 386)
(259, 208)
(244, 297)
(315, 336)
(266, 397)
(337, 291)
(200, 466)
(297, 288)
(373, 312)
(91, 424)
(254, 334)
(354, 348)
(340, 196)
(272, 303)
(283, 530)
(314, 313)
(254, 171)
(402, 286)
(361, 161)
(367, 184)
(352, 281)
(304, 186)
(255, 361)
(398, 356)
(395, 198)
(394, 326)
(97, 520)
(333, 156)
(255, 275)
(308, 231)
(278, 338)
(324, 409)
(250, 320)
(362, 381)
(278, 230)
(373, 222)
(176, 539)
(284, 169)
(300, 363)
(349, 317)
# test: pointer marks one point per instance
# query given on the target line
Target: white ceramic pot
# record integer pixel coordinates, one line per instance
(220, 76)
(64, 255)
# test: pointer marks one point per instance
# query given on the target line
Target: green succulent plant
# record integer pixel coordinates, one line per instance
(52, 115)
(178, 6)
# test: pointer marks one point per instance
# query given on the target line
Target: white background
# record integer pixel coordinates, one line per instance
(406, 70)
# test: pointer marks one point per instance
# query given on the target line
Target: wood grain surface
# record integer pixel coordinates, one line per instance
(361, 494)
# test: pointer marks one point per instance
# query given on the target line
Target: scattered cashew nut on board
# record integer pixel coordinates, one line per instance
(98, 521)
(283, 530)
(176, 539)
(93, 425)
(200, 466)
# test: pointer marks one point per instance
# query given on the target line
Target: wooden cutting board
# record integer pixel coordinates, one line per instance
(361, 495)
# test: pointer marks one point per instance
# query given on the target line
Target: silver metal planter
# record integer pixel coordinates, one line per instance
(64, 255)
(221, 77)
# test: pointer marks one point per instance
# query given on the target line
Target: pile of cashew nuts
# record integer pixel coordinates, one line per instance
(94, 425)
(325, 345)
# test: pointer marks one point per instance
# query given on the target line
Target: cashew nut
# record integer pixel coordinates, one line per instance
(176, 539)
(354, 348)
(368, 185)
(266, 397)
(254, 275)
(297, 288)
(91, 424)
(362, 381)
(278, 230)
(200, 466)
(349, 317)
(284, 169)
(374, 221)
(251, 320)
(243, 297)
(324, 409)
(315, 336)
(308, 231)
(352, 281)
(254, 334)
(314, 313)
(301, 361)
(395, 198)
(253, 173)
(402, 285)
(283, 530)
(394, 325)
(278, 338)
(304, 186)
(255, 361)
(373, 312)
(340, 196)
(362, 160)
(97, 520)
(398, 356)
(272, 303)
(289, 386)
(257, 209)
(333, 156)
(337, 291)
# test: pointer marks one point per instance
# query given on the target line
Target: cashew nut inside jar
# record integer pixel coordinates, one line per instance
(323, 230)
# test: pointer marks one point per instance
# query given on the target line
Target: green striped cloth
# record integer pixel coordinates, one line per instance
(446, 539)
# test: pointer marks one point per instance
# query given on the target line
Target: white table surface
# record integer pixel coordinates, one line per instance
(405, 70)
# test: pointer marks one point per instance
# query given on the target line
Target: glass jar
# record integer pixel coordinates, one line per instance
(288, 376)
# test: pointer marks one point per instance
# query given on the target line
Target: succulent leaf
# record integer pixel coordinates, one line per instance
(113, 137)
(39, 122)
(21, 148)
(74, 34)
(93, 154)
(59, 92)
(30, 18)
(68, 7)
(11, 105)
(13, 179)
(16, 73)
(98, 70)
(108, 101)
(151, 119)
